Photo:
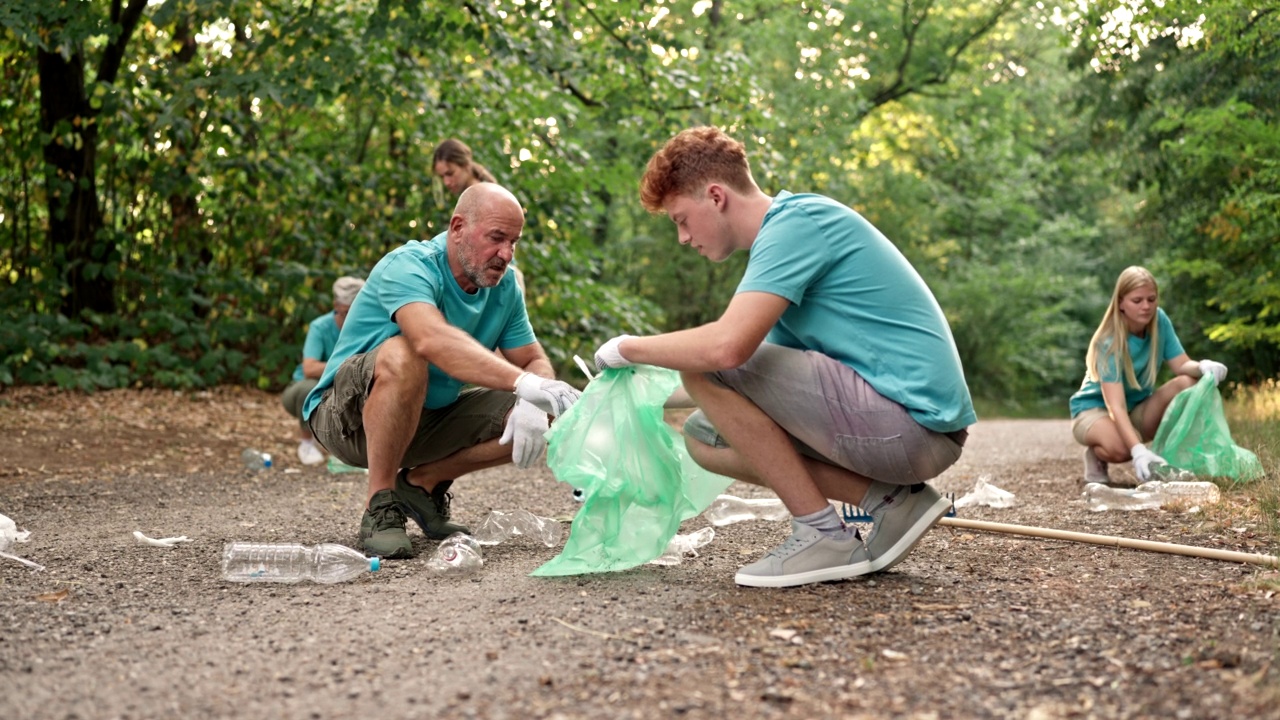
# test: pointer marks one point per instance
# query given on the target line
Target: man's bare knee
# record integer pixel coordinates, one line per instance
(398, 364)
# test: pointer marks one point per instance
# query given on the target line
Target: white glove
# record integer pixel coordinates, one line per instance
(1143, 459)
(1214, 368)
(609, 356)
(527, 426)
(551, 396)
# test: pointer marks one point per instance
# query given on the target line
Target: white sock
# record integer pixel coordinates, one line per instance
(827, 521)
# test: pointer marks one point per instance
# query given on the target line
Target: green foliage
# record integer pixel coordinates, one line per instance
(248, 152)
(1193, 116)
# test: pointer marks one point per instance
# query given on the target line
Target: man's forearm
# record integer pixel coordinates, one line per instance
(541, 367)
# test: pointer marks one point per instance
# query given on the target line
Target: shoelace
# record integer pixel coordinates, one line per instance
(793, 544)
(442, 501)
(389, 515)
(790, 546)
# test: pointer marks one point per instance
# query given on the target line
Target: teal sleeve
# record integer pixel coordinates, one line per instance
(321, 337)
(404, 281)
(790, 254)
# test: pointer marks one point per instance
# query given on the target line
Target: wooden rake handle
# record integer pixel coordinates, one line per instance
(1114, 541)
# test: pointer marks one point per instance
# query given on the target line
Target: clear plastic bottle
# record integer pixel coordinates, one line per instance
(458, 554)
(499, 526)
(729, 509)
(255, 460)
(1151, 495)
(1169, 473)
(290, 562)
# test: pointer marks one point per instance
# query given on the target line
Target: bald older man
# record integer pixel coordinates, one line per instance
(427, 322)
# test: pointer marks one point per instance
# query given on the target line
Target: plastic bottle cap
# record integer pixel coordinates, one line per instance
(374, 564)
(266, 460)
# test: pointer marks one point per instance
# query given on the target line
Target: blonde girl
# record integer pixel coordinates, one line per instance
(1118, 406)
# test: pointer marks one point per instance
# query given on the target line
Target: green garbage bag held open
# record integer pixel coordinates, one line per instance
(638, 481)
(1194, 436)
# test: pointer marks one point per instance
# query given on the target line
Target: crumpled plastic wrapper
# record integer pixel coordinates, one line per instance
(984, 493)
(9, 534)
(160, 542)
(684, 544)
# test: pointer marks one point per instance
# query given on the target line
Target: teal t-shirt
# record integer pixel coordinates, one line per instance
(1090, 393)
(322, 335)
(856, 299)
(418, 271)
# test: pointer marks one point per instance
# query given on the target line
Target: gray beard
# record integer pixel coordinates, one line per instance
(478, 277)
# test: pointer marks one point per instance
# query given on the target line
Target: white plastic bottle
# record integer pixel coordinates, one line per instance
(255, 460)
(291, 562)
(729, 509)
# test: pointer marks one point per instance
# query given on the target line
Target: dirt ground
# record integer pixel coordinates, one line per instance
(971, 625)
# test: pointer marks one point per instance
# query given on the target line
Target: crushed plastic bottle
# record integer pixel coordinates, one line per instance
(291, 562)
(729, 509)
(1151, 495)
(458, 554)
(336, 467)
(255, 460)
(499, 526)
(682, 545)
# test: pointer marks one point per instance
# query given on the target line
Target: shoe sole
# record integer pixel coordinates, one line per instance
(842, 572)
(912, 537)
(399, 553)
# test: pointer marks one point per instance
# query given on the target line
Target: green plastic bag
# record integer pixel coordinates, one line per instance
(638, 481)
(1194, 436)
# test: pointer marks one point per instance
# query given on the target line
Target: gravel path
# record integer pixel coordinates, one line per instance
(971, 625)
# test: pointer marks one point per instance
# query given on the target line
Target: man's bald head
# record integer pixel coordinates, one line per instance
(487, 197)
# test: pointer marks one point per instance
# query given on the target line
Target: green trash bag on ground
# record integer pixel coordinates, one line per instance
(1194, 436)
(638, 481)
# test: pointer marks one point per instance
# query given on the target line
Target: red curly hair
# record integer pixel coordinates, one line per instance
(691, 160)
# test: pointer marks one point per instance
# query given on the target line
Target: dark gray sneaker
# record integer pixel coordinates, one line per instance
(806, 557)
(429, 509)
(902, 515)
(382, 528)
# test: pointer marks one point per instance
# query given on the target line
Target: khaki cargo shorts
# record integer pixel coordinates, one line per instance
(1081, 423)
(478, 415)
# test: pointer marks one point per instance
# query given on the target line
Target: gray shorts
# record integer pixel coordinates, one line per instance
(478, 415)
(835, 416)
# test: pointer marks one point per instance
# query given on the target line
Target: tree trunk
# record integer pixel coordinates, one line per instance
(70, 155)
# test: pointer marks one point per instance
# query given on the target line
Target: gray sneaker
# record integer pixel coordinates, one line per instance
(382, 528)
(902, 515)
(806, 557)
(429, 509)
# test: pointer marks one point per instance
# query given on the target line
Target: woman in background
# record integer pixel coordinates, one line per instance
(453, 164)
(1118, 406)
